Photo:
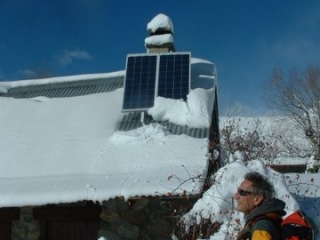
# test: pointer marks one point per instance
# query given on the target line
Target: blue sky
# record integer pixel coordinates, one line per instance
(245, 39)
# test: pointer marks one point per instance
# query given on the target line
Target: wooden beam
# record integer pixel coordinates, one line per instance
(67, 213)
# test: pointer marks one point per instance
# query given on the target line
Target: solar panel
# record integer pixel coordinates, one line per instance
(174, 75)
(150, 75)
(139, 88)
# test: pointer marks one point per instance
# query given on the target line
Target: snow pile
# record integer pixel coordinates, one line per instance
(203, 73)
(217, 203)
(161, 31)
(196, 112)
(159, 40)
(151, 133)
(161, 22)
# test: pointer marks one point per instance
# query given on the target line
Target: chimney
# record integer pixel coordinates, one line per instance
(160, 39)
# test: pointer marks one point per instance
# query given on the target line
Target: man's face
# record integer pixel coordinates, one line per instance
(246, 200)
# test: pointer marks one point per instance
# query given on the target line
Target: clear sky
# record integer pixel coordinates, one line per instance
(245, 39)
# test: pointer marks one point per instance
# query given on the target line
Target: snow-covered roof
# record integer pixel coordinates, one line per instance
(55, 150)
(5, 86)
(160, 22)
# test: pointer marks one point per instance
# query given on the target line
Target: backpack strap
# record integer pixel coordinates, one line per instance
(274, 218)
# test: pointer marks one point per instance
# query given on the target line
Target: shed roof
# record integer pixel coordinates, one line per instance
(65, 141)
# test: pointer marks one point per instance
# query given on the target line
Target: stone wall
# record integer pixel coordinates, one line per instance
(26, 228)
(140, 218)
(143, 218)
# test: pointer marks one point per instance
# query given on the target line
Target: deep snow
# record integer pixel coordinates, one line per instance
(39, 156)
(74, 155)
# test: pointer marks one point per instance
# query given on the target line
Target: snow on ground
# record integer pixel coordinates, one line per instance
(297, 190)
(63, 174)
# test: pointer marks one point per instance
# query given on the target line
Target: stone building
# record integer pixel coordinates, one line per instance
(77, 165)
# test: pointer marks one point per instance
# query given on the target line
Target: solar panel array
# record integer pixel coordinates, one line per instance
(150, 75)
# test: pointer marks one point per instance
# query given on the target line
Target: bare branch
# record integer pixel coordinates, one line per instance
(298, 97)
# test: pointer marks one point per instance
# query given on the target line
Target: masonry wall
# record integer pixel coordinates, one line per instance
(143, 218)
(140, 218)
(25, 228)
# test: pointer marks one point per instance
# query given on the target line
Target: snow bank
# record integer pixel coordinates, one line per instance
(217, 203)
(195, 112)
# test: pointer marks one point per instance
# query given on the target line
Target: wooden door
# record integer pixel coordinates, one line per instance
(5, 228)
(72, 230)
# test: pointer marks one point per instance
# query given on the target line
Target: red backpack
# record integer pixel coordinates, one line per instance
(297, 226)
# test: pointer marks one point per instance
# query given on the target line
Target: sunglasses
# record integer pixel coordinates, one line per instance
(244, 192)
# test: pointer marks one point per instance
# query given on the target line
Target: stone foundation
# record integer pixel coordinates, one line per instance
(26, 228)
(140, 218)
(143, 218)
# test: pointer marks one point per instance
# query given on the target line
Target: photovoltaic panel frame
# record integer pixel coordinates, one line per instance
(140, 82)
(159, 74)
(174, 75)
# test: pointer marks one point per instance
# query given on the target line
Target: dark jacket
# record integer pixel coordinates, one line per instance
(264, 222)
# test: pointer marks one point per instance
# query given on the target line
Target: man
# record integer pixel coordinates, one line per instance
(262, 212)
